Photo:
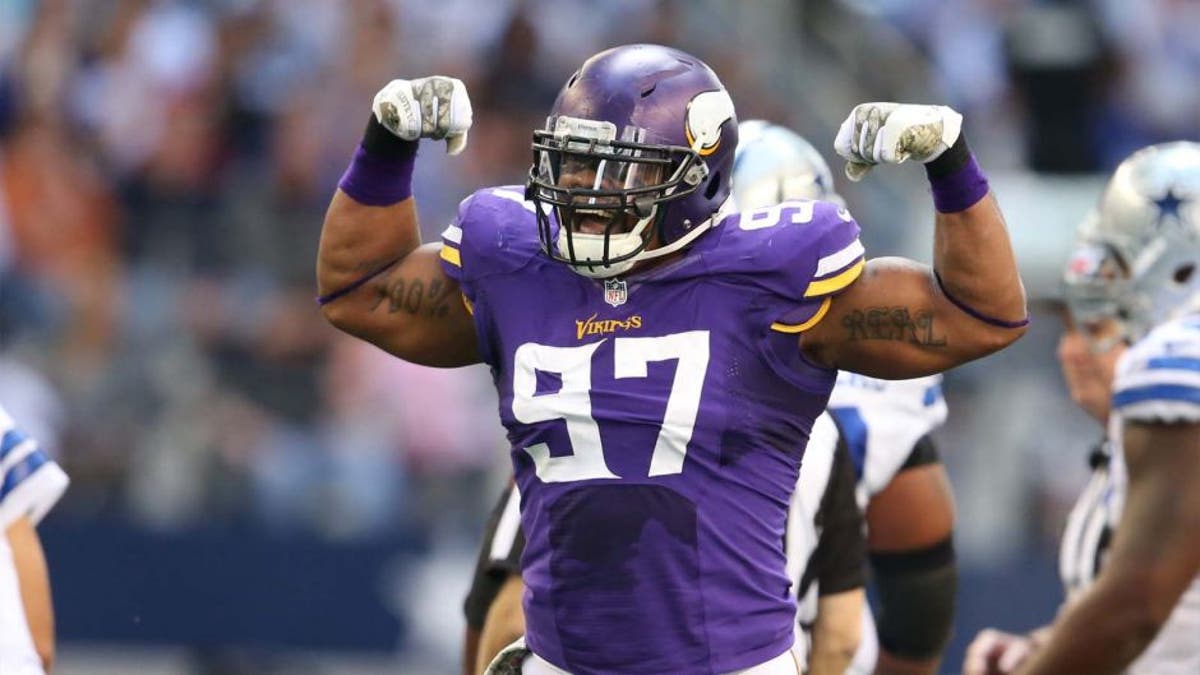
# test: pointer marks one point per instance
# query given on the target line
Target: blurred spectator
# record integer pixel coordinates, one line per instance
(1058, 61)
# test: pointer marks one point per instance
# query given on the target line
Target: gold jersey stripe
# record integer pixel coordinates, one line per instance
(801, 327)
(451, 255)
(835, 283)
(467, 303)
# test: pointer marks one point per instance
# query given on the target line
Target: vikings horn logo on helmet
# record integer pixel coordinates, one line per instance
(706, 112)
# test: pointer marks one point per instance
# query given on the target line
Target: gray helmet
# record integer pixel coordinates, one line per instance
(1137, 253)
(775, 164)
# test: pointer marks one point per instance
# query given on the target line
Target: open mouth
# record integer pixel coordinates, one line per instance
(597, 221)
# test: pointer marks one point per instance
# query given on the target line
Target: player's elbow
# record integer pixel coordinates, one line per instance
(346, 318)
(1142, 625)
(833, 649)
(46, 656)
(999, 338)
(1161, 587)
(354, 322)
(840, 643)
(994, 338)
(837, 631)
(339, 316)
(1139, 604)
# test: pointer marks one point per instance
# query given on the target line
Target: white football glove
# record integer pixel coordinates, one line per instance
(431, 107)
(894, 132)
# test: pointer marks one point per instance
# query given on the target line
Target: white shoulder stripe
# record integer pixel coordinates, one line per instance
(836, 261)
(453, 234)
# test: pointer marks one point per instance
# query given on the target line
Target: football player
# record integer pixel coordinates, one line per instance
(30, 485)
(902, 485)
(824, 542)
(1130, 557)
(659, 357)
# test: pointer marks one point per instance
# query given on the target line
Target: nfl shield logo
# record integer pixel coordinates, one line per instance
(615, 292)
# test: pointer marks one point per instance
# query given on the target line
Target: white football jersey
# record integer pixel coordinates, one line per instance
(882, 420)
(30, 484)
(1157, 380)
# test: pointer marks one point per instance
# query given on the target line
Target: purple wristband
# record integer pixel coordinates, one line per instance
(379, 181)
(990, 320)
(959, 190)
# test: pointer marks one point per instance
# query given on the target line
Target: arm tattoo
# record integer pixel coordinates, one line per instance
(893, 323)
(418, 297)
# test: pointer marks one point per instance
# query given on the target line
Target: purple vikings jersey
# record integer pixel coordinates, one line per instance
(655, 421)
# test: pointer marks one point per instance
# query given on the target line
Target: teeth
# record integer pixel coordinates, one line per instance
(605, 213)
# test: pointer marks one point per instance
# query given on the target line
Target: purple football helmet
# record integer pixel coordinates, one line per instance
(638, 148)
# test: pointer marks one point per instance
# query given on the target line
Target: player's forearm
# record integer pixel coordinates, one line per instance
(974, 259)
(1101, 634)
(372, 221)
(505, 622)
(832, 657)
(837, 632)
(33, 581)
(972, 255)
(358, 240)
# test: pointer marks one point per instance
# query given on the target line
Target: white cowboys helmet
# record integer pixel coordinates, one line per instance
(1137, 254)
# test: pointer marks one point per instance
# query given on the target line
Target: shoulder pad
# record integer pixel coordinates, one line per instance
(30, 482)
(882, 420)
(495, 232)
(797, 249)
(1158, 379)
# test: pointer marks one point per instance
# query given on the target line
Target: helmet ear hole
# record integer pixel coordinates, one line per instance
(1183, 273)
(714, 184)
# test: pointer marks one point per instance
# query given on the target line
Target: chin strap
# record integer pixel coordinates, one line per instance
(688, 238)
(691, 236)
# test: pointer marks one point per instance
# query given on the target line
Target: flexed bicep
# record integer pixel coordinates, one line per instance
(896, 322)
(415, 311)
(901, 319)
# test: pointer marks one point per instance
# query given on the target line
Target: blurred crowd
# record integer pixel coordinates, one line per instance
(164, 166)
